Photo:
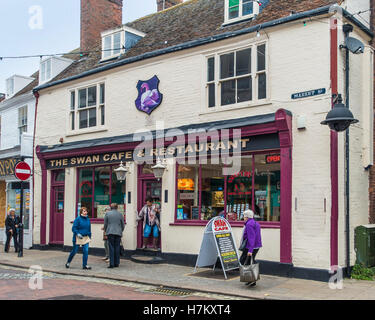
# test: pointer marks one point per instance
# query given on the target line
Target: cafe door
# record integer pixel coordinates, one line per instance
(148, 188)
(57, 207)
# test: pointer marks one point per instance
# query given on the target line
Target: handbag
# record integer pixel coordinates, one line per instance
(249, 273)
(83, 241)
(243, 245)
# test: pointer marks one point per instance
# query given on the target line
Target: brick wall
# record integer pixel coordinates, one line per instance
(372, 170)
(98, 16)
(165, 4)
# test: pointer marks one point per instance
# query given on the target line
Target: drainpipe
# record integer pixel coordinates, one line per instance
(347, 28)
(36, 94)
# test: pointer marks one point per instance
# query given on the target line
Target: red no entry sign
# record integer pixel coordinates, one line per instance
(22, 171)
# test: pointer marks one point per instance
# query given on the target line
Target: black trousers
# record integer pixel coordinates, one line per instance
(244, 256)
(114, 250)
(15, 240)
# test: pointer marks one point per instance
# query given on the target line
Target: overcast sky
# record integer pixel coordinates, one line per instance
(22, 33)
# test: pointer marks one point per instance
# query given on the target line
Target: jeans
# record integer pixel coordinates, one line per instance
(114, 250)
(85, 253)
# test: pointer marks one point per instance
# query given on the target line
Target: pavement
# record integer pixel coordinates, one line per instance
(205, 280)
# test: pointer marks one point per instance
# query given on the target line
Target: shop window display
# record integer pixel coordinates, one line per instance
(14, 201)
(203, 192)
(98, 188)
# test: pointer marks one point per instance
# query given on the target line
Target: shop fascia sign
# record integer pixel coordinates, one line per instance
(7, 166)
(220, 147)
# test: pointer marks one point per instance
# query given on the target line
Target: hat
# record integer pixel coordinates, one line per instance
(248, 214)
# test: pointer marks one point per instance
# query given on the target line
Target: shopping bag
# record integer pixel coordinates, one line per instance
(249, 273)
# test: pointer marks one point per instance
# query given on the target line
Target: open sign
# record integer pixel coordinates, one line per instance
(273, 158)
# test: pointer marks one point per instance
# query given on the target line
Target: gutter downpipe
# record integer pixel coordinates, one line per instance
(36, 95)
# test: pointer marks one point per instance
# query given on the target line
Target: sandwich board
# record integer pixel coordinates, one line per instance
(218, 242)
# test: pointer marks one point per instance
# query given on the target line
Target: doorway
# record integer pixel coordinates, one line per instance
(148, 186)
(57, 207)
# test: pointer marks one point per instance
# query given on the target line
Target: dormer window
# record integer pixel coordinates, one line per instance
(237, 10)
(10, 87)
(116, 42)
(45, 70)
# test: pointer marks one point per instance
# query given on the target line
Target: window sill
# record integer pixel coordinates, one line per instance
(236, 224)
(234, 107)
(86, 131)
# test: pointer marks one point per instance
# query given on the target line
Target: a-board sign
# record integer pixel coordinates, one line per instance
(218, 242)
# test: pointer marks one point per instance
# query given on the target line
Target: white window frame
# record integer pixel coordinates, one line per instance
(44, 75)
(22, 121)
(240, 15)
(111, 33)
(10, 87)
(73, 116)
(254, 75)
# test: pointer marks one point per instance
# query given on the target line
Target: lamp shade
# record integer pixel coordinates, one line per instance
(159, 169)
(121, 172)
(340, 117)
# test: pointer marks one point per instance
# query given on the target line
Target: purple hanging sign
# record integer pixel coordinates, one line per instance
(149, 96)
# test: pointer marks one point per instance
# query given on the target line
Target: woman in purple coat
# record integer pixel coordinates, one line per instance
(252, 234)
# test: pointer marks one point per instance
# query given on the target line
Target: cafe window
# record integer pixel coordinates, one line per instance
(98, 187)
(203, 192)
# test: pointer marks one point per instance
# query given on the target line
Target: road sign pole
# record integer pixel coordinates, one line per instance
(20, 226)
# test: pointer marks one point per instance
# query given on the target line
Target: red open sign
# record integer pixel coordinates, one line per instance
(273, 158)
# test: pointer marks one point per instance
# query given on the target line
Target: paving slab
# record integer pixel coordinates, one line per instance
(175, 276)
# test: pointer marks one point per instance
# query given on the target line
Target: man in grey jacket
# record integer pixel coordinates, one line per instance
(114, 226)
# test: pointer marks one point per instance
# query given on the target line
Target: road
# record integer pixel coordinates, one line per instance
(22, 284)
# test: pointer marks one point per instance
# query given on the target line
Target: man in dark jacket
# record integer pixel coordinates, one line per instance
(114, 226)
(11, 225)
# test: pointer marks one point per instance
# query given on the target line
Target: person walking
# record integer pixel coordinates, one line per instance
(150, 214)
(105, 238)
(81, 228)
(11, 225)
(114, 226)
(252, 235)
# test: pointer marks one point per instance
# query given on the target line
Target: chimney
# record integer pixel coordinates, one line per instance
(165, 4)
(98, 16)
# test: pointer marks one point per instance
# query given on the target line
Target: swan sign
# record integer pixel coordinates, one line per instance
(149, 96)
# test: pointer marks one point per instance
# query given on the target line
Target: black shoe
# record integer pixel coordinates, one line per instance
(117, 266)
(110, 267)
(86, 268)
(253, 284)
(67, 265)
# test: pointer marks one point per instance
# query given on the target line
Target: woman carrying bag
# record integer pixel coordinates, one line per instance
(81, 236)
(251, 241)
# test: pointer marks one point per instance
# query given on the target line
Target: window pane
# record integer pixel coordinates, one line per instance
(107, 46)
(227, 65)
(102, 189)
(211, 69)
(212, 191)
(228, 92)
(243, 62)
(262, 86)
(261, 57)
(102, 93)
(267, 189)
(239, 190)
(247, 7)
(72, 119)
(188, 192)
(91, 96)
(86, 190)
(244, 89)
(211, 95)
(72, 100)
(233, 8)
(83, 119)
(82, 98)
(92, 117)
(118, 189)
(117, 43)
(43, 71)
(48, 69)
(102, 115)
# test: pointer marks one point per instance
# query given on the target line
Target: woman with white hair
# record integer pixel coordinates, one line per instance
(11, 225)
(253, 237)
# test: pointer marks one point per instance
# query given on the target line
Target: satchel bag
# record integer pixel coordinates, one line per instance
(249, 273)
(243, 245)
(83, 241)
